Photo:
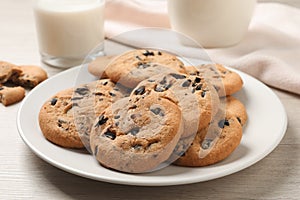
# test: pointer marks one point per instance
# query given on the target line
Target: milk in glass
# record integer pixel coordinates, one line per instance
(68, 30)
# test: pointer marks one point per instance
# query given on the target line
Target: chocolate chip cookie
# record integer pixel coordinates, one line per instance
(224, 80)
(136, 134)
(135, 66)
(7, 70)
(92, 99)
(66, 118)
(197, 99)
(206, 150)
(30, 76)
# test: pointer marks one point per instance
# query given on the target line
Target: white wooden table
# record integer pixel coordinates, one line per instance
(25, 176)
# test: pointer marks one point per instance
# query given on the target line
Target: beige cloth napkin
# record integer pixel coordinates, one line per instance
(270, 51)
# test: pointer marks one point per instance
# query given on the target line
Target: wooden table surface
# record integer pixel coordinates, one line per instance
(25, 176)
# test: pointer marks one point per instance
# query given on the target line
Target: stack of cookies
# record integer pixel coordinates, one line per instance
(149, 110)
(13, 80)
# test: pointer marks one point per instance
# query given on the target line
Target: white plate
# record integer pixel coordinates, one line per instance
(265, 128)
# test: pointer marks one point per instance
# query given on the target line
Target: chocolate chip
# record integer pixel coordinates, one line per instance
(164, 81)
(206, 143)
(159, 53)
(148, 53)
(133, 107)
(137, 57)
(98, 94)
(110, 135)
(53, 101)
(1, 88)
(82, 91)
(239, 119)
(186, 83)
(178, 76)
(156, 111)
(134, 131)
(137, 146)
(197, 80)
(105, 83)
(102, 120)
(168, 86)
(203, 94)
(151, 81)
(140, 90)
(223, 123)
(76, 98)
(143, 65)
(117, 117)
(161, 88)
(96, 150)
(112, 94)
(133, 116)
(199, 87)
(60, 121)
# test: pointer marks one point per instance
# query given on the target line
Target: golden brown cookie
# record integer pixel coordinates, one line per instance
(7, 70)
(225, 81)
(136, 134)
(11, 95)
(197, 99)
(30, 76)
(90, 100)
(56, 117)
(217, 141)
(135, 66)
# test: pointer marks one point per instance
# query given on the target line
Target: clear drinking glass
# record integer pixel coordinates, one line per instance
(68, 30)
(212, 23)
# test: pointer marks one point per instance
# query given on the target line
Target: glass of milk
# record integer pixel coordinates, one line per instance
(68, 30)
(212, 23)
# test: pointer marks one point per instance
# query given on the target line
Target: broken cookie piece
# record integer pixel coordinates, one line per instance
(7, 70)
(30, 76)
(11, 95)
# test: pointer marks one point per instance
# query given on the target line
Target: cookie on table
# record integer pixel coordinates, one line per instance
(30, 76)
(136, 134)
(11, 95)
(135, 66)
(197, 99)
(7, 70)
(225, 81)
(56, 117)
(206, 150)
